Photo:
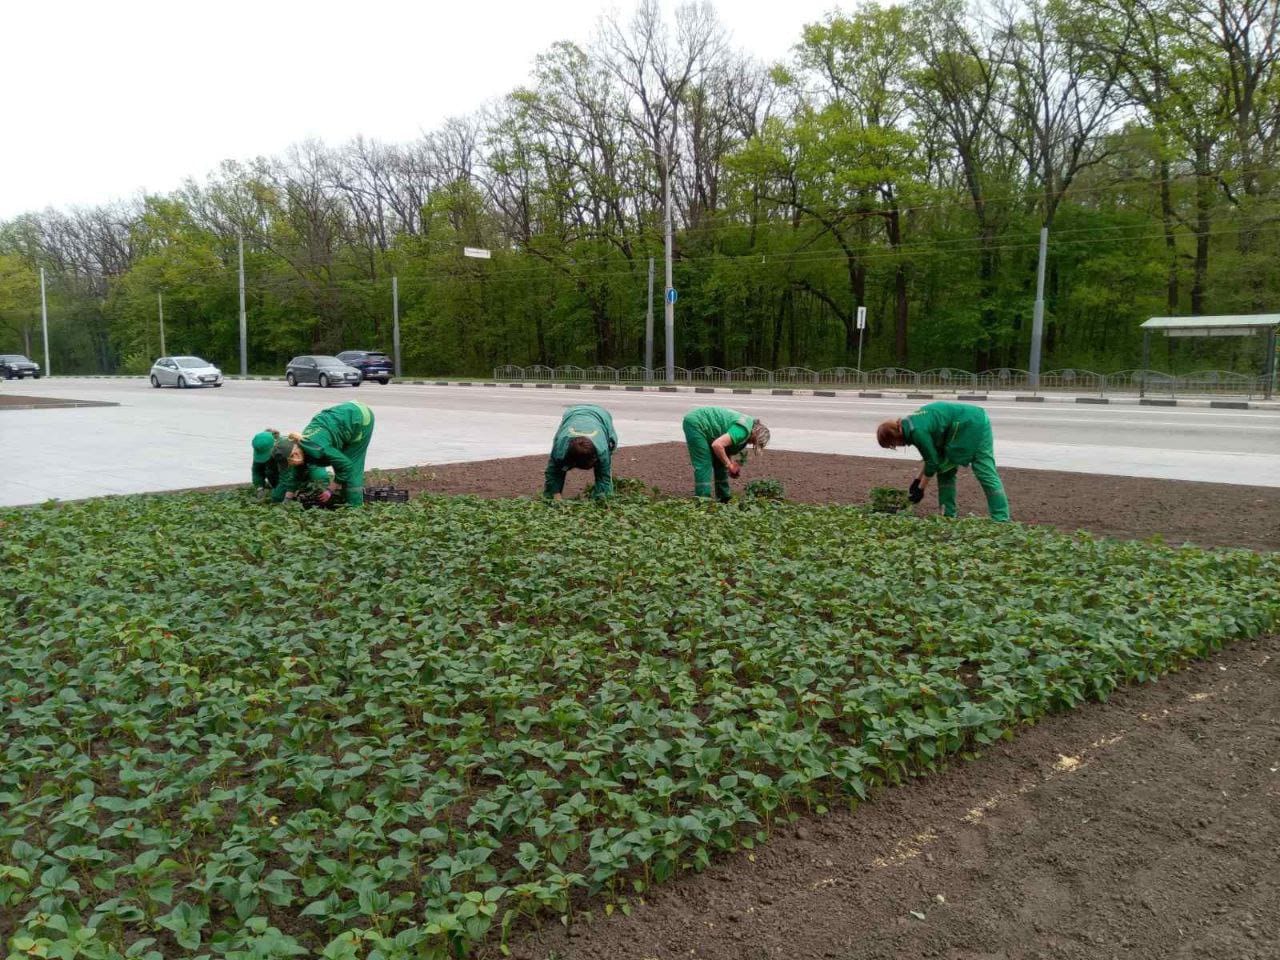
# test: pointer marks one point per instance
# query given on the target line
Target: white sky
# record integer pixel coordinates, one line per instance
(107, 98)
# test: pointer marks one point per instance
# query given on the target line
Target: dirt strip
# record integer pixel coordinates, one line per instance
(13, 402)
(1207, 514)
(1146, 827)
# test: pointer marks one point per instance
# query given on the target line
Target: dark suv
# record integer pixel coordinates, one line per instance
(374, 364)
(15, 365)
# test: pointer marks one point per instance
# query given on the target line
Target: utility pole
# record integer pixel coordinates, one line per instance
(648, 329)
(244, 326)
(670, 313)
(44, 322)
(1037, 317)
(395, 322)
(160, 301)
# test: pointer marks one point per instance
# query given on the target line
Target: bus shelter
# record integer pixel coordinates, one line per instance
(1227, 325)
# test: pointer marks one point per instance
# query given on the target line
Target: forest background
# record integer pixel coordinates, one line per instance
(903, 158)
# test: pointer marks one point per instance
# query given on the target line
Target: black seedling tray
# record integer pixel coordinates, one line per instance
(385, 494)
(310, 500)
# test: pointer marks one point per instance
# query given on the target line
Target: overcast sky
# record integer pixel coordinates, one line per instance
(104, 99)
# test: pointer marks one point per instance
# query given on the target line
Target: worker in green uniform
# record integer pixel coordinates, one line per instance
(949, 435)
(266, 469)
(266, 472)
(337, 437)
(585, 440)
(714, 435)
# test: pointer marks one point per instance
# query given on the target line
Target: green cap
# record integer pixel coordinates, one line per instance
(263, 444)
(282, 449)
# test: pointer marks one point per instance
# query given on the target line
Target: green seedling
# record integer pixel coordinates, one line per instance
(889, 500)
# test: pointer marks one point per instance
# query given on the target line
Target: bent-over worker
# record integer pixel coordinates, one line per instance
(949, 435)
(337, 437)
(585, 440)
(714, 435)
(266, 472)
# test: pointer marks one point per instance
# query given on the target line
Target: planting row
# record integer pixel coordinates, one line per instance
(227, 732)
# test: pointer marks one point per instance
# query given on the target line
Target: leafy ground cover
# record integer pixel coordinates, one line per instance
(237, 732)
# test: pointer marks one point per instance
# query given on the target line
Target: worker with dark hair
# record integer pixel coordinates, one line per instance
(948, 436)
(714, 436)
(585, 440)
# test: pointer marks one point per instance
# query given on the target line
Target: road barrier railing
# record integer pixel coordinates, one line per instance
(1144, 383)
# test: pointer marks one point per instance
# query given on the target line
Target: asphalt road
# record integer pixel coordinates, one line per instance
(168, 439)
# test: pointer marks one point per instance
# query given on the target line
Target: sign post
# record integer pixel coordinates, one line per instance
(862, 325)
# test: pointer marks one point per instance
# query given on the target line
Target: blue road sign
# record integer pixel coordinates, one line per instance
(671, 294)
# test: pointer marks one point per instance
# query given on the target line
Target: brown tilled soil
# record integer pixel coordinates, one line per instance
(1147, 827)
(14, 402)
(1208, 514)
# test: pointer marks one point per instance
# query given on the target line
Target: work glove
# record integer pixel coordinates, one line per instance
(914, 493)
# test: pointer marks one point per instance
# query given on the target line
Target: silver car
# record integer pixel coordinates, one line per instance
(185, 372)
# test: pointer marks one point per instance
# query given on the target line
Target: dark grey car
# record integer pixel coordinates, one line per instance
(16, 366)
(322, 371)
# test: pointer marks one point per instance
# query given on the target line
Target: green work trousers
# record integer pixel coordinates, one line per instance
(984, 469)
(356, 454)
(705, 465)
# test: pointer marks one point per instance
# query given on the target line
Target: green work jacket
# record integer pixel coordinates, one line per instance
(712, 423)
(325, 442)
(266, 474)
(948, 435)
(589, 421)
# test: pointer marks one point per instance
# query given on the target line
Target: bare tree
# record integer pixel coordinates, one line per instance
(656, 70)
(1061, 97)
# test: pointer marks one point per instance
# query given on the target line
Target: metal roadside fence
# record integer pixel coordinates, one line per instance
(939, 379)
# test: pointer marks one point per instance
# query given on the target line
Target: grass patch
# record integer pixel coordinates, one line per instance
(228, 730)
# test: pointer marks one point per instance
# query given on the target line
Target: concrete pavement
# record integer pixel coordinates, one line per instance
(168, 439)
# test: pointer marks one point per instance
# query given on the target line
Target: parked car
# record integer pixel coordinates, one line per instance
(373, 364)
(324, 371)
(185, 372)
(16, 366)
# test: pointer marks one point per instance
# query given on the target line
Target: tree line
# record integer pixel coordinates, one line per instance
(901, 158)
